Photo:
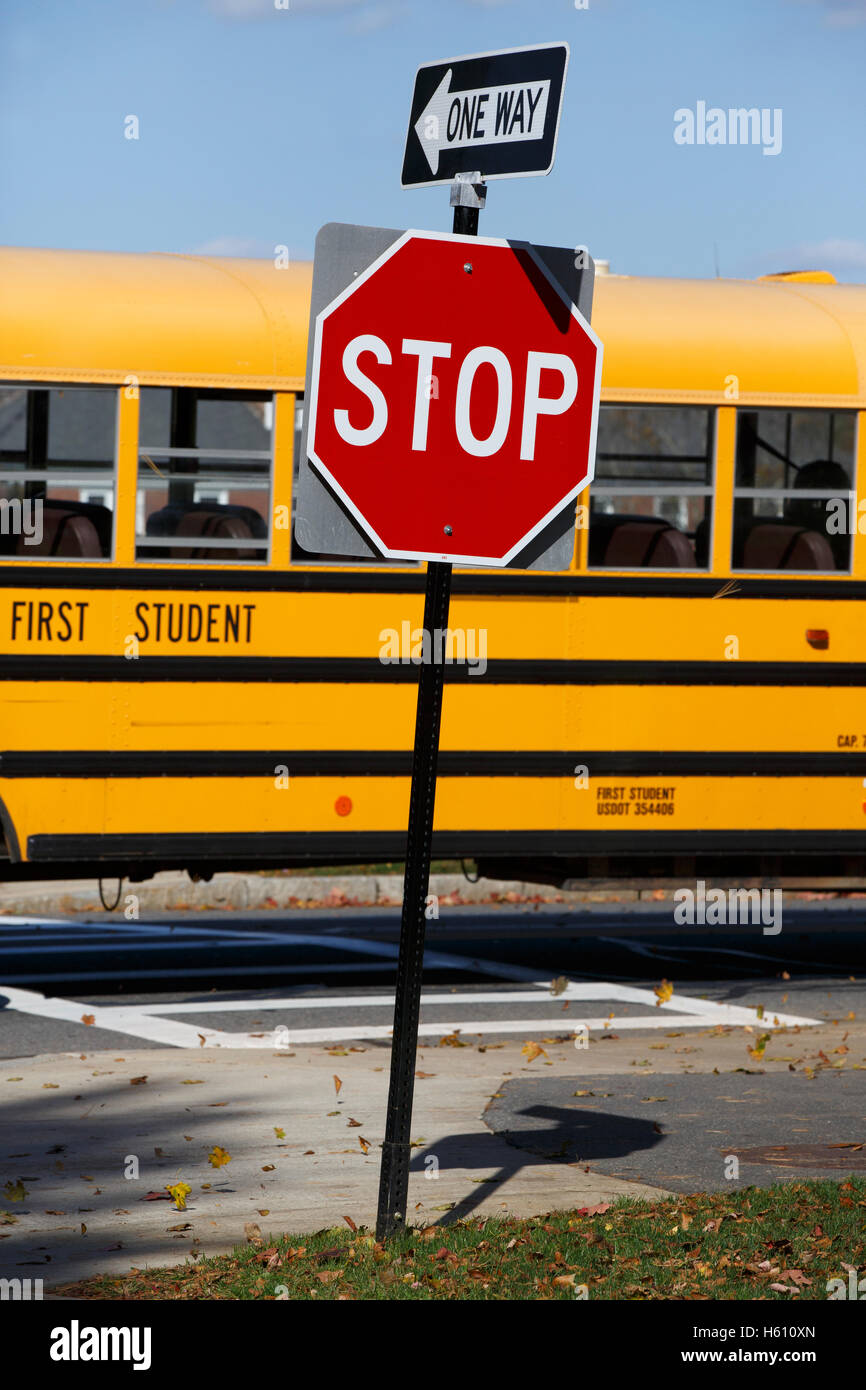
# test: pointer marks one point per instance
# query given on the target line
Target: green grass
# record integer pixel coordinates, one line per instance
(796, 1234)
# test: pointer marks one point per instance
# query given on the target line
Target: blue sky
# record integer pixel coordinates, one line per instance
(258, 124)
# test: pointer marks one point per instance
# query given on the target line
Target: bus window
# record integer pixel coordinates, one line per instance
(651, 498)
(57, 464)
(793, 490)
(204, 475)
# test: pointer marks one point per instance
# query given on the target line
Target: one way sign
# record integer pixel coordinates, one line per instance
(493, 113)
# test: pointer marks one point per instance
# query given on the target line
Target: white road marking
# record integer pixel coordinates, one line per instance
(153, 1023)
(112, 1017)
(7, 919)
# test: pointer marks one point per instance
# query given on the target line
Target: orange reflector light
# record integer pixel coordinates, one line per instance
(818, 637)
(343, 805)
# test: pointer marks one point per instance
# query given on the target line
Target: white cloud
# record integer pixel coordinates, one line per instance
(258, 9)
(840, 14)
(233, 246)
(834, 253)
(374, 17)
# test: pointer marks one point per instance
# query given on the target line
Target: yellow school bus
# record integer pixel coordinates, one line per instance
(182, 686)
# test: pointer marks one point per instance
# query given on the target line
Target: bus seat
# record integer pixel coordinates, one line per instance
(219, 526)
(772, 546)
(64, 532)
(636, 542)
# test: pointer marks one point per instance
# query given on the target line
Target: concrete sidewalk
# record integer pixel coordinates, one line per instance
(168, 892)
(72, 1126)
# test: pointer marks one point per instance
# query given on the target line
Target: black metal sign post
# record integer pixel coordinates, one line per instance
(467, 197)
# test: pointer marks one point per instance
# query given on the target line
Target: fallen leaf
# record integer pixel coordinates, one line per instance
(365, 1144)
(532, 1049)
(280, 1133)
(355, 1124)
(559, 985)
(137, 1080)
(337, 1084)
(269, 1167)
(253, 1233)
(192, 1083)
(663, 992)
(15, 1191)
(350, 1223)
(88, 1020)
(178, 1191)
(218, 1158)
(757, 1052)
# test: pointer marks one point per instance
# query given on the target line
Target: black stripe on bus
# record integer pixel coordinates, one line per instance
(374, 845)
(497, 584)
(338, 670)
(398, 763)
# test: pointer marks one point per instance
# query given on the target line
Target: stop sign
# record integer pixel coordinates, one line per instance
(454, 398)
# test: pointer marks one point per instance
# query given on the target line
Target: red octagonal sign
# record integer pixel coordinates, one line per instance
(454, 398)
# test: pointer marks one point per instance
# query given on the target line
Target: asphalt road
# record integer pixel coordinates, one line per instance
(318, 975)
(665, 1092)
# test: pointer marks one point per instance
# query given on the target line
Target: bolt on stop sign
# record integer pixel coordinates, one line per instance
(453, 398)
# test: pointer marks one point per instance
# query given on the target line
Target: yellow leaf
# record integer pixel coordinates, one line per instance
(218, 1158)
(532, 1049)
(337, 1084)
(280, 1133)
(757, 1052)
(663, 992)
(365, 1144)
(192, 1083)
(178, 1191)
(15, 1191)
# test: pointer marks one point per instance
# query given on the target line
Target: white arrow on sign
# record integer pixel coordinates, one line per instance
(481, 116)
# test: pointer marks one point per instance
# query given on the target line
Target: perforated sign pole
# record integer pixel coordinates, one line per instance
(394, 1176)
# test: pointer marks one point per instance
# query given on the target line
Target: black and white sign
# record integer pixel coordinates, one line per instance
(493, 113)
